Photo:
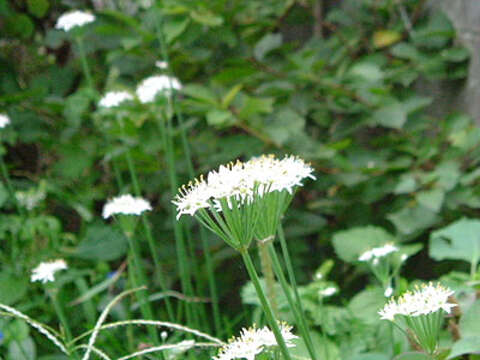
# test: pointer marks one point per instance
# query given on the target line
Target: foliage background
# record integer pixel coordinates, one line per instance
(337, 87)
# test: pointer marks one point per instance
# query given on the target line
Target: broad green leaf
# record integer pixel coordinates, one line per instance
(22, 350)
(102, 242)
(174, 28)
(405, 51)
(383, 38)
(220, 118)
(12, 287)
(285, 124)
(366, 304)
(412, 219)
(470, 321)
(431, 199)
(19, 25)
(406, 184)
(459, 241)
(467, 345)
(392, 115)
(350, 244)
(455, 54)
(266, 44)
(206, 17)
(201, 93)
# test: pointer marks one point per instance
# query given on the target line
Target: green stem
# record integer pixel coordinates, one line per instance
(177, 230)
(299, 316)
(148, 231)
(291, 275)
(83, 59)
(267, 308)
(267, 271)
(62, 317)
(186, 149)
(140, 279)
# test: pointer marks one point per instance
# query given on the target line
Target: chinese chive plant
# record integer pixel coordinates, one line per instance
(125, 100)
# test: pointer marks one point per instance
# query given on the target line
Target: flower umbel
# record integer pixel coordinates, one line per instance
(150, 87)
(72, 19)
(126, 205)
(4, 120)
(46, 270)
(253, 341)
(114, 98)
(422, 312)
(378, 252)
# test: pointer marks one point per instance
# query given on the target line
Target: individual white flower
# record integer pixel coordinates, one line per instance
(161, 64)
(403, 257)
(378, 252)
(241, 181)
(4, 120)
(388, 291)
(164, 335)
(127, 205)
(424, 300)
(74, 18)
(329, 291)
(114, 98)
(150, 87)
(46, 270)
(253, 341)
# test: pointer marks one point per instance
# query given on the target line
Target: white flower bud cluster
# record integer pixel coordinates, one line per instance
(241, 181)
(74, 18)
(114, 98)
(4, 120)
(126, 205)
(424, 300)
(253, 341)
(150, 87)
(46, 270)
(378, 252)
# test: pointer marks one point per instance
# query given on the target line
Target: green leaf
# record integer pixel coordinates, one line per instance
(20, 25)
(459, 241)
(228, 98)
(405, 51)
(406, 184)
(12, 288)
(412, 219)
(413, 356)
(174, 28)
(206, 17)
(468, 345)
(201, 93)
(102, 242)
(383, 38)
(431, 199)
(455, 54)
(38, 8)
(367, 71)
(220, 118)
(392, 115)
(285, 124)
(366, 304)
(22, 350)
(470, 321)
(350, 244)
(266, 44)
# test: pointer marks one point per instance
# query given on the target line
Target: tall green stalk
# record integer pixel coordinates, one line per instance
(267, 308)
(140, 279)
(148, 230)
(267, 270)
(8, 183)
(83, 59)
(299, 316)
(181, 249)
(191, 173)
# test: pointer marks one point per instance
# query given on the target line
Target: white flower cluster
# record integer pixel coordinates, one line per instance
(74, 18)
(31, 198)
(424, 300)
(127, 205)
(378, 252)
(114, 98)
(240, 181)
(329, 291)
(253, 341)
(4, 120)
(161, 64)
(46, 270)
(149, 88)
